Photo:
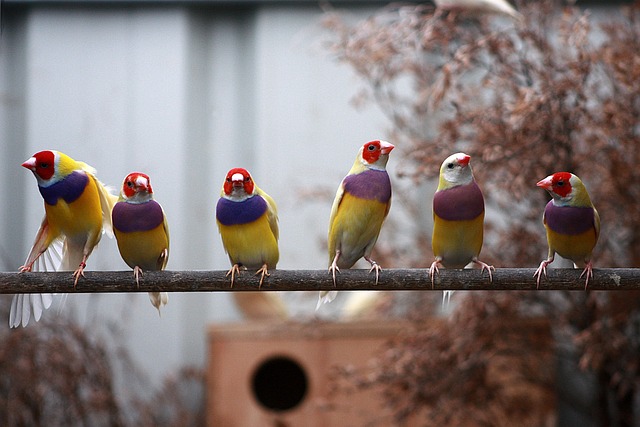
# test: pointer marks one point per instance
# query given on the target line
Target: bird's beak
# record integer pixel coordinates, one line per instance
(464, 159)
(142, 182)
(386, 147)
(545, 183)
(237, 180)
(30, 164)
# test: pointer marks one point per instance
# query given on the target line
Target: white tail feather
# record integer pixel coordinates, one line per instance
(158, 299)
(23, 305)
(326, 297)
(446, 299)
(16, 309)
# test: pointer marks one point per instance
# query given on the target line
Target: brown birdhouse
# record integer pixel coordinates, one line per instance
(267, 374)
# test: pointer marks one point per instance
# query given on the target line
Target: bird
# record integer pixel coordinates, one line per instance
(361, 204)
(77, 212)
(458, 217)
(141, 231)
(571, 221)
(247, 219)
(480, 7)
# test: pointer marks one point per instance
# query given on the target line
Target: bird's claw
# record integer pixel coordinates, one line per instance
(233, 271)
(137, 272)
(542, 269)
(334, 267)
(375, 266)
(79, 272)
(589, 273)
(484, 266)
(333, 270)
(265, 272)
(433, 270)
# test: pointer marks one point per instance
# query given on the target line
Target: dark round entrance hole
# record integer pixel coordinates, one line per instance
(279, 383)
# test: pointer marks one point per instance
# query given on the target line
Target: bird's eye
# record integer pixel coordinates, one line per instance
(129, 184)
(228, 179)
(450, 165)
(44, 165)
(560, 184)
(371, 147)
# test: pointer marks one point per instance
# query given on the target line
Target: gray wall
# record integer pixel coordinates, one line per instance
(182, 93)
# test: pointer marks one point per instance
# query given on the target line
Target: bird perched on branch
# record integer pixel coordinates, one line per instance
(247, 219)
(458, 217)
(571, 221)
(361, 204)
(141, 230)
(480, 7)
(77, 211)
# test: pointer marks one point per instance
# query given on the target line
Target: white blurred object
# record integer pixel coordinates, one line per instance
(480, 6)
(363, 304)
(261, 305)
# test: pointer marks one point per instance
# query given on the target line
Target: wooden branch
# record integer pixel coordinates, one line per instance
(504, 279)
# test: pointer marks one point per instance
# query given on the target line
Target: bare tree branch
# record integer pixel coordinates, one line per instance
(504, 279)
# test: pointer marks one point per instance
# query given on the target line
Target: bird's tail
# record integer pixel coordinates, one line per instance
(326, 297)
(24, 305)
(158, 299)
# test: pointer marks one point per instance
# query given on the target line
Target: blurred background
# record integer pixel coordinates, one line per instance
(186, 90)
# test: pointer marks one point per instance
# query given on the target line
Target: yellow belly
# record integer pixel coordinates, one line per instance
(80, 219)
(577, 248)
(457, 242)
(251, 245)
(143, 248)
(355, 228)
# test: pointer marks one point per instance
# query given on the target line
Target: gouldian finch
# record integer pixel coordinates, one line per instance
(571, 221)
(141, 230)
(77, 211)
(458, 217)
(247, 219)
(361, 204)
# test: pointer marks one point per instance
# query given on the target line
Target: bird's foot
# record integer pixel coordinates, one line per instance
(333, 270)
(79, 272)
(264, 272)
(29, 265)
(334, 267)
(542, 269)
(233, 271)
(588, 272)
(374, 266)
(433, 270)
(485, 266)
(137, 272)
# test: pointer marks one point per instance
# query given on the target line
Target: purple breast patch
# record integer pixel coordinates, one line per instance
(229, 212)
(569, 219)
(131, 217)
(370, 185)
(69, 189)
(461, 203)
